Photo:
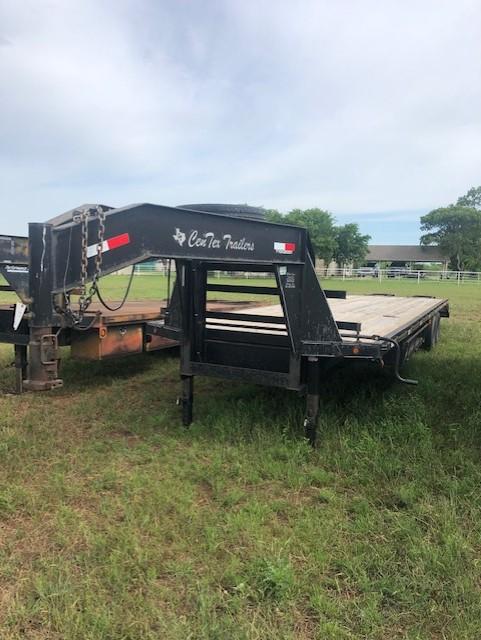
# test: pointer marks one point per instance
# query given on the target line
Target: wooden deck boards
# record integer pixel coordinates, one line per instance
(381, 315)
(378, 315)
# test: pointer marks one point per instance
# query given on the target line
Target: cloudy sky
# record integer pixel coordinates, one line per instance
(369, 109)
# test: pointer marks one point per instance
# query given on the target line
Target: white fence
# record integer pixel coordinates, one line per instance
(397, 273)
(364, 273)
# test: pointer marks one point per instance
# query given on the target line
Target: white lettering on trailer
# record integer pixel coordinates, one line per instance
(16, 269)
(238, 245)
(208, 240)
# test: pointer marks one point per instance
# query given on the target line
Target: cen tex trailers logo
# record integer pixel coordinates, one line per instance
(209, 240)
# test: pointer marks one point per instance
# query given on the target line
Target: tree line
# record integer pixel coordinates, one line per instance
(344, 244)
(456, 230)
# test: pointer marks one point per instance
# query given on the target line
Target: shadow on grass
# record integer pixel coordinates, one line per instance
(83, 374)
(242, 411)
(354, 397)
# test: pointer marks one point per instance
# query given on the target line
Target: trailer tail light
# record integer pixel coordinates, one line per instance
(286, 248)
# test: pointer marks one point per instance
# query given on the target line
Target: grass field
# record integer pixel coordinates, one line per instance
(117, 523)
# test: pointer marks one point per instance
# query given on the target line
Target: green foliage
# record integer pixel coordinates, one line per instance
(471, 199)
(351, 245)
(273, 215)
(320, 225)
(457, 231)
(345, 243)
(275, 578)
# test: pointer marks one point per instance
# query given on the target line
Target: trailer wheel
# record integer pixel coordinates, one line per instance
(432, 332)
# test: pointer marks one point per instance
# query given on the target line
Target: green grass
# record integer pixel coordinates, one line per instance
(117, 523)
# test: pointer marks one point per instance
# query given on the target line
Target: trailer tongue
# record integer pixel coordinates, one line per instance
(288, 345)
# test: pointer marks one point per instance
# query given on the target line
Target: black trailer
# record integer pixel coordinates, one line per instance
(290, 344)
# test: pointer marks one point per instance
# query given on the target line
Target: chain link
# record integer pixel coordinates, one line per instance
(86, 295)
(84, 261)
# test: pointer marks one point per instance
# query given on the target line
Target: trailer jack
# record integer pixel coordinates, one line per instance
(42, 368)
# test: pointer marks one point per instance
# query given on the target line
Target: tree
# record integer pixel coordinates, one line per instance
(320, 225)
(351, 245)
(273, 215)
(471, 199)
(457, 231)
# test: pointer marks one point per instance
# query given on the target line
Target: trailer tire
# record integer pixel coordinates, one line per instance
(232, 210)
(432, 332)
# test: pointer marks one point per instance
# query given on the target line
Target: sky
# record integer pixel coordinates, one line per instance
(368, 109)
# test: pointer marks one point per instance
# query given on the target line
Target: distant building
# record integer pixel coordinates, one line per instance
(404, 254)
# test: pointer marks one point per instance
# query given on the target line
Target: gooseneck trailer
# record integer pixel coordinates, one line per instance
(291, 344)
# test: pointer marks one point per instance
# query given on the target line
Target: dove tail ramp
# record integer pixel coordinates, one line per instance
(291, 348)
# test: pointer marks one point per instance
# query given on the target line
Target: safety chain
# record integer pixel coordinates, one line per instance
(84, 260)
(86, 296)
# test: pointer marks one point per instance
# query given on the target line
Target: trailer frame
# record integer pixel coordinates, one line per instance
(292, 351)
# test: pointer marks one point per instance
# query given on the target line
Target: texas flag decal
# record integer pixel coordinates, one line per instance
(287, 248)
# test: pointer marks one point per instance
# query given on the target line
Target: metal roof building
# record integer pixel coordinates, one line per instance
(404, 253)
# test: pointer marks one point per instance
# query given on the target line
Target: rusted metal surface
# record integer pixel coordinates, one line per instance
(13, 250)
(155, 343)
(130, 312)
(107, 342)
(117, 333)
(145, 310)
(43, 359)
(121, 333)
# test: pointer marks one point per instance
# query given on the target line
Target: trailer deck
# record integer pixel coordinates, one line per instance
(141, 311)
(377, 315)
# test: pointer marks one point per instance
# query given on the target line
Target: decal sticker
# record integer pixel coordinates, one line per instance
(20, 309)
(108, 245)
(16, 269)
(286, 248)
(179, 236)
(291, 281)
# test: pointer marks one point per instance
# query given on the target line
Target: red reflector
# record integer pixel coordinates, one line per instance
(118, 241)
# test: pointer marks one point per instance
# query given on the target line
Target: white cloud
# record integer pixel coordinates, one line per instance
(352, 106)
